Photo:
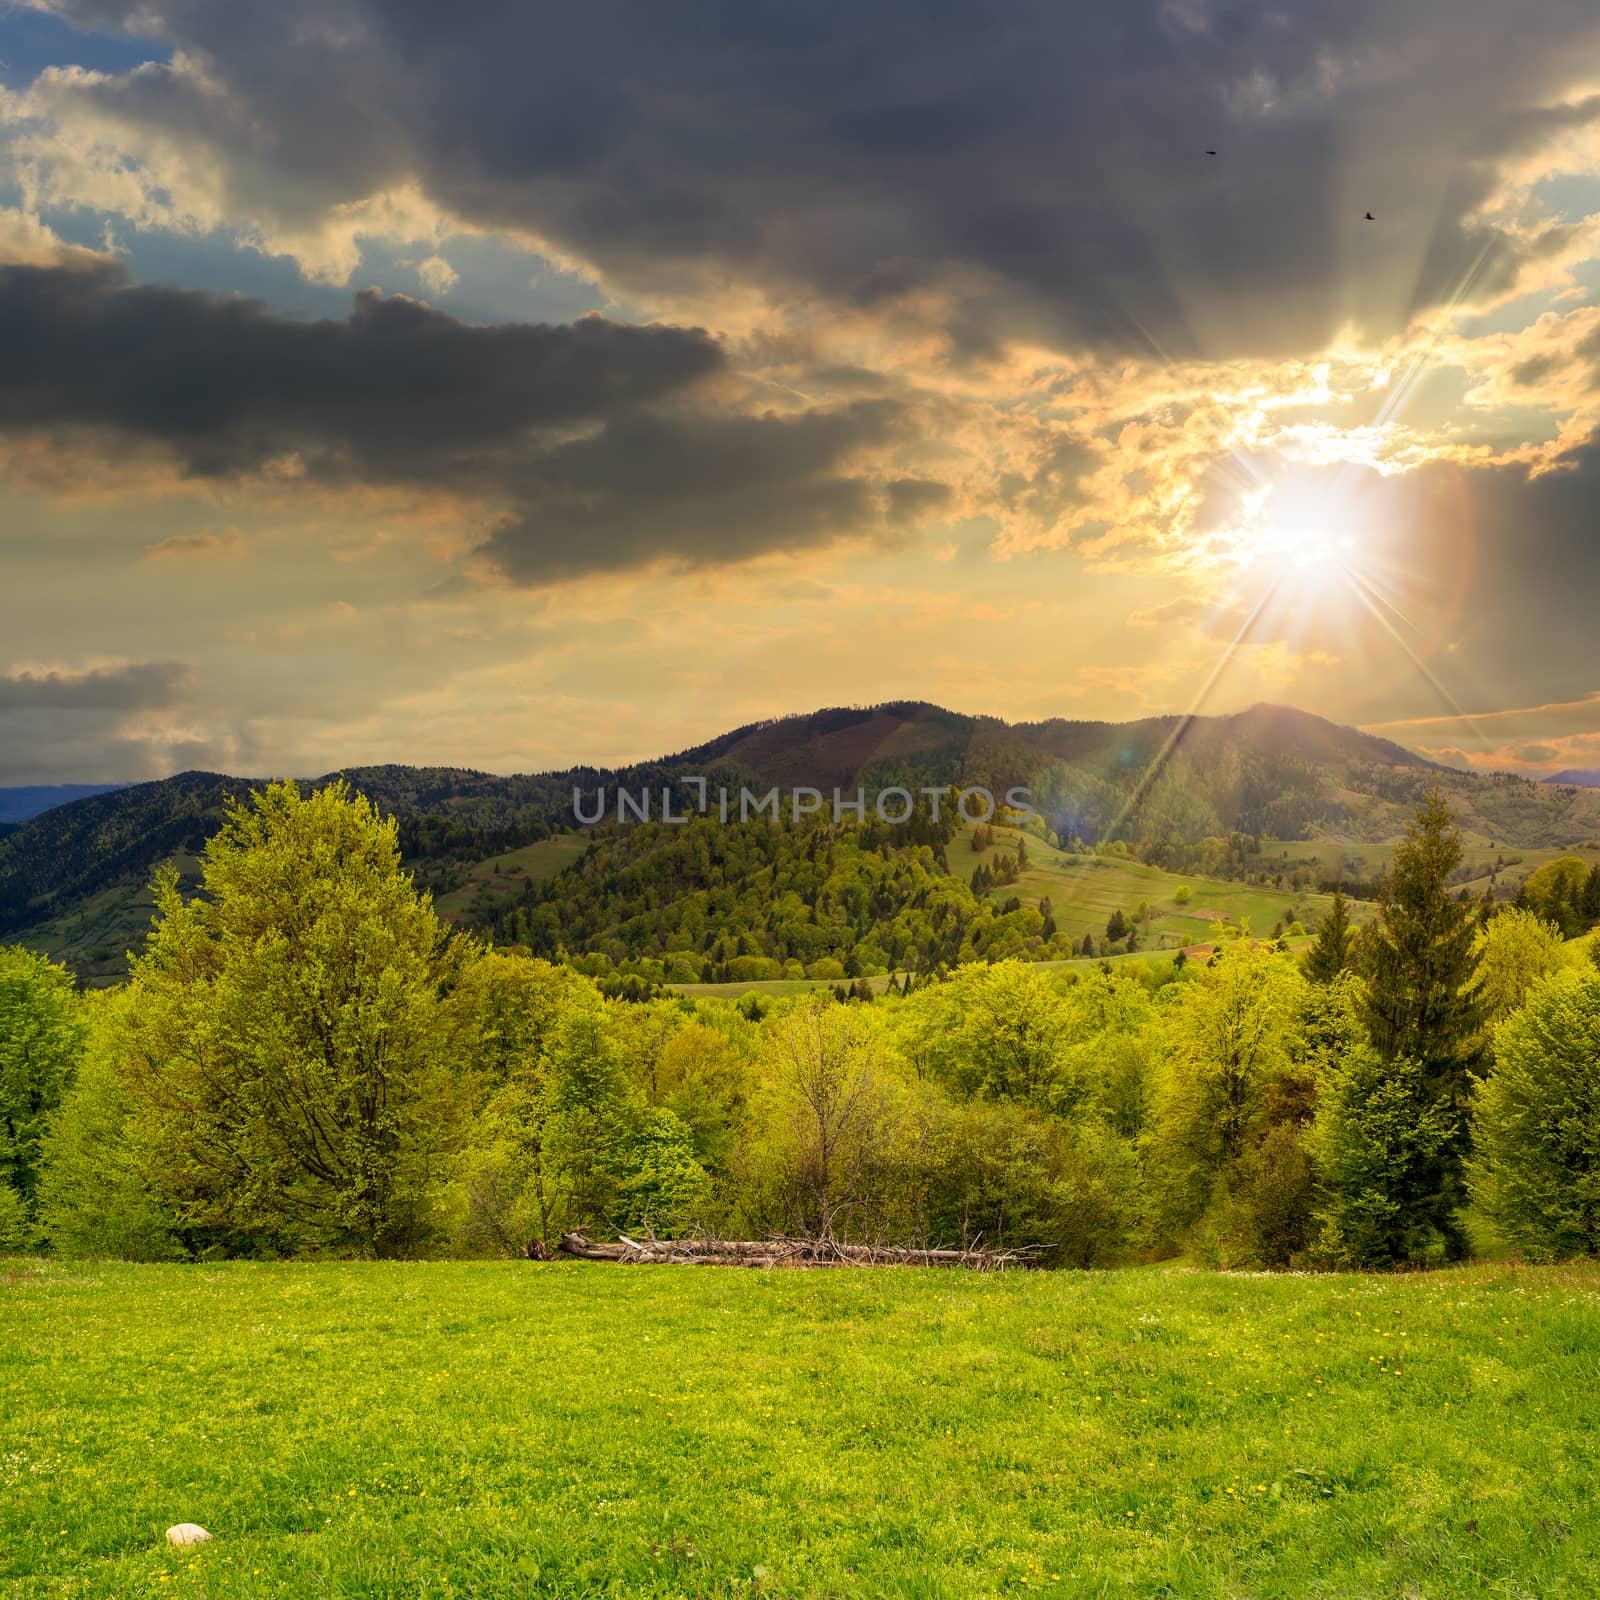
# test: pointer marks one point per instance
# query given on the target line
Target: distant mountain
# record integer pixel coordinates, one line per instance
(1163, 784)
(1583, 777)
(22, 805)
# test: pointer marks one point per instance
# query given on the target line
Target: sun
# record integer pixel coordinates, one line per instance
(1311, 548)
(1286, 540)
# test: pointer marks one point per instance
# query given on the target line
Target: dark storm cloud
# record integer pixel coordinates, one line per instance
(109, 723)
(1532, 547)
(585, 432)
(397, 389)
(142, 686)
(709, 489)
(1042, 163)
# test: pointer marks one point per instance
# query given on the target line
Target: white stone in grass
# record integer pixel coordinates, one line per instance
(187, 1533)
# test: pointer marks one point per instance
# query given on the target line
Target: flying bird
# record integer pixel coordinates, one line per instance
(1370, 217)
(1211, 152)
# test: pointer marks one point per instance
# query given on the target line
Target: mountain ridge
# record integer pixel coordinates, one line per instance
(23, 802)
(1160, 783)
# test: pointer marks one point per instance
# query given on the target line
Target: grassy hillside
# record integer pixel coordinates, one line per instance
(508, 1429)
(96, 935)
(1495, 811)
(1085, 889)
(1083, 892)
(489, 886)
(1504, 867)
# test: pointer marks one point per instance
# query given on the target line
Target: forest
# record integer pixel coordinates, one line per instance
(307, 1061)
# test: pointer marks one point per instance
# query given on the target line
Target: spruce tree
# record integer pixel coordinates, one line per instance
(1330, 955)
(1421, 954)
(1419, 1007)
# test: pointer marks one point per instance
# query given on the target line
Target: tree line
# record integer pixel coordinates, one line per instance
(307, 1061)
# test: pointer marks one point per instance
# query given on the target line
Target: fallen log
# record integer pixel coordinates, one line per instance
(785, 1252)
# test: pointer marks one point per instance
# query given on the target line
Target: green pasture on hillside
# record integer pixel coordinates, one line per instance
(511, 1429)
(94, 939)
(498, 880)
(1085, 889)
(1333, 856)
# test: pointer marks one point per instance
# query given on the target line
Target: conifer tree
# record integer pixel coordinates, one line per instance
(1419, 1007)
(1330, 955)
(1420, 957)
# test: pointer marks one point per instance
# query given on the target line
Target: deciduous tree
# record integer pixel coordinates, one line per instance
(287, 1043)
(1536, 1121)
(41, 1039)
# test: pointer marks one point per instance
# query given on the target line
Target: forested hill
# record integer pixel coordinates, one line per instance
(708, 903)
(1162, 784)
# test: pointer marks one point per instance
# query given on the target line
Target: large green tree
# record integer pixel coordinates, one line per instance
(1536, 1121)
(1377, 1143)
(95, 1194)
(288, 1041)
(833, 1106)
(1420, 955)
(1557, 892)
(1229, 1047)
(1514, 950)
(41, 1038)
(1419, 1003)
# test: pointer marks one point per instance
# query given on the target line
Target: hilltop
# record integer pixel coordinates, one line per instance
(1191, 795)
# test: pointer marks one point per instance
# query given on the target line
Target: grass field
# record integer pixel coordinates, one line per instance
(508, 1429)
(499, 880)
(1085, 889)
(95, 938)
(1515, 862)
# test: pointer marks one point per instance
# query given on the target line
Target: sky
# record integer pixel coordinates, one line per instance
(514, 386)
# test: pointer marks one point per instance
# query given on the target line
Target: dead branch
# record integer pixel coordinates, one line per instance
(784, 1251)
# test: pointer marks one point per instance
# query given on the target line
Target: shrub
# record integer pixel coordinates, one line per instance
(16, 1227)
(41, 1038)
(1098, 1201)
(1265, 1219)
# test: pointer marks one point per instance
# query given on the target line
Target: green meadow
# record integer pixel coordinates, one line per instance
(510, 1429)
(498, 880)
(94, 937)
(1085, 889)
